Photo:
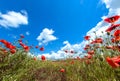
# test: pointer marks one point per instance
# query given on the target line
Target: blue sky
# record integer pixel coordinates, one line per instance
(69, 19)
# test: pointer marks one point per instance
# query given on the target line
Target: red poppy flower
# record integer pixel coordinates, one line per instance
(34, 58)
(21, 36)
(43, 58)
(87, 61)
(26, 48)
(113, 40)
(91, 52)
(93, 42)
(87, 47)
(98, 40)
(112, 27)
(72, 62)
(109, 47)
(62, 70)
(66, 51)
(117, 33)
(12, 51)
(42, 49)
(112, 19)
(10, 46)
(117, 38)
(78, 58)
(36, 46)
(89, 56)
(20, 40)
(71, 51)
(87, 37)
(114, 62)
(5, 51)
(3, 41)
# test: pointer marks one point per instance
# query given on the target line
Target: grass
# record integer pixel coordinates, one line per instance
(21, 67)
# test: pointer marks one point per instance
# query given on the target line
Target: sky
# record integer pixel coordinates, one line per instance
(55, 24)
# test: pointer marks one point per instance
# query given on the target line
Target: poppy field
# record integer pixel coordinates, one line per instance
(101, 62)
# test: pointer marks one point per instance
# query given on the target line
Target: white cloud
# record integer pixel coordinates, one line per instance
(27, 33)
(46, 36)
(13, 19)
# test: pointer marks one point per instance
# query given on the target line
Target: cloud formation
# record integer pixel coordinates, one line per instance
(13, 19)
(114, 9)
(46, 36)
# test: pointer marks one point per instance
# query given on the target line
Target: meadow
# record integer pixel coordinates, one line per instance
(102, 62)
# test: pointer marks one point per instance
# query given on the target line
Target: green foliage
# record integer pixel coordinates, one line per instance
(21, 67)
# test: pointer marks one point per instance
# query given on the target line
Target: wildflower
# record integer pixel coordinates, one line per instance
(12, 51)
(19, 40)
(42, 49)
(87, 47)
(89, 56)
(109, 47)
(114, 62)
(117, 35)
(71, 51)
(3, 41)
(112, 19)
(34, 58)
(26, 48)
(78, 58)
(87, 37)
(72, 62)
(66, 51)
(113, 40)
(43, 57)
(112, 27)
(62, 70)
(36, 46)
(87, 61)
(98, 40)
(91, 52)
(21, 36)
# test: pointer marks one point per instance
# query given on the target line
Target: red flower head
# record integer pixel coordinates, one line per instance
(66, 51)
(91, 52)
(19, 40)
(36, 46)
(117, 35)
(12, 51)
(112, 27)
(71, 51)
(62, 70)
(22, 36)
(87, 37)
(42, 49)
(3, 41)
(87, 47)
(89, 56)
(87, 61)
(109, 47)
(72, 62)
(43, 58)
(113, 40)
(26, 48)
(34, 58)
(78, 58)
(114, 62)
(98, 40)
(112, 19)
